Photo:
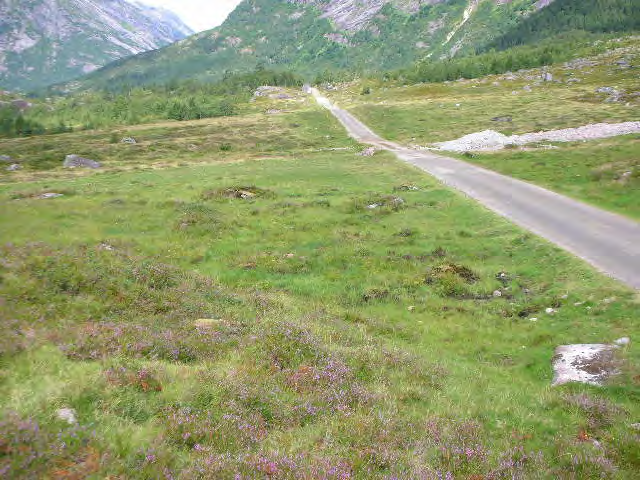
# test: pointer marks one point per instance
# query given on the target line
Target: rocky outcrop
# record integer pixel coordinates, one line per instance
(354, 15)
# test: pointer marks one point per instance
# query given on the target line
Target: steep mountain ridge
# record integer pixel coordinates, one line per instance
(47, 41)
(312, 36)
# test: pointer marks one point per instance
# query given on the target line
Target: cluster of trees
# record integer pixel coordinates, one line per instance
(558, 49)
(14, 124)
(175, 100)
(562, 16)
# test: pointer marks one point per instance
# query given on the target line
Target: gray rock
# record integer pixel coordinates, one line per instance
(504, 118)
(527, 88)
(607, 90)
(76, 161)
(623, 341)
(368, 152)
(129, 140)
(21, 104)
(547, 77)
(497, 293)
(6, 159)
(46, 196)
(584, 363)
(14, 167)
(68, 415)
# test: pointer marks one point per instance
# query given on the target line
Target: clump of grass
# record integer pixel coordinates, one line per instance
(35, 450)
(244, 192)
(40, 193)
(377, 203)
(452, 269)
(199, 217)
(373, 294)
(143, 379)
(599, 412)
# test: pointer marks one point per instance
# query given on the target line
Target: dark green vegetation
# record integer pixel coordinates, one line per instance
(546, 52)
(187, 100)
(218, 317)
(596, 16)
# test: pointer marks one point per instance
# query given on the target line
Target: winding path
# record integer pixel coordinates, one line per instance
(609, 242)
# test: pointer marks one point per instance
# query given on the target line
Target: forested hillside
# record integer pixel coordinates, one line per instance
(597, 16)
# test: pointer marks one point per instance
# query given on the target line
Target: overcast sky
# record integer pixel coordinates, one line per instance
(198, 14)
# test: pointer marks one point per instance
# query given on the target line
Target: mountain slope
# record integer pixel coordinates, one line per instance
(311, 36)
(48, 41)
(565, 15)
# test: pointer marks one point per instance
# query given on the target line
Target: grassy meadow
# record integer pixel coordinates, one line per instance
(244, 312)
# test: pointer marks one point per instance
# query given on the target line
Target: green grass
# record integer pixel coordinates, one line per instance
(294, 333)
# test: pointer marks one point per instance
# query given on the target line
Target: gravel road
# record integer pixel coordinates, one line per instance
(609, 242)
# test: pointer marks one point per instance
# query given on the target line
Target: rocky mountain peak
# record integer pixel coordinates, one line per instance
(45, 41)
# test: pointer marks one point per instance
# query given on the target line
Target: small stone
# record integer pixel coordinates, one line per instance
(635, 426)
(497, 293)
(6, 159)
(368, 152)
(245, 194)
(577, 304)
(608, 90)
(547, 77)
(290, 255)
(564, 297)
(14, 167)
(411, 308)
(129, 140)
(106, 246)
(67, 415)
(550, 311)
(623, 341)
(373, 206)
(50, 195)
(534, 319)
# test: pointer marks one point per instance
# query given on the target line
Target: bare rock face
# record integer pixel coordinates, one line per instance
(354, 15)
(543, 3)
(584, 363)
